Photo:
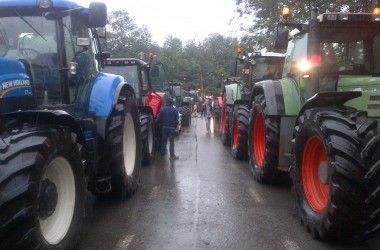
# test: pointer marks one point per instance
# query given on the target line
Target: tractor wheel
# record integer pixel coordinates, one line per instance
(42, 188)
(217, 115)
(371, 155)
(224, 131)
(123, 141)
(186, 115)
(147, 134)
(263, 139)
(239, 132)
(329, 177)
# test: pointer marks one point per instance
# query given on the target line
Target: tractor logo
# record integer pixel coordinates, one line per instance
(15, 88)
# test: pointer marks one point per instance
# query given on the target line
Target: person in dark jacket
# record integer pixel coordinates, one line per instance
(168, 118)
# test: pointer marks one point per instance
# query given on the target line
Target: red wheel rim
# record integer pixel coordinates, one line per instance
(224, 119)
(317, 193)
(236, 131)
(259, 139)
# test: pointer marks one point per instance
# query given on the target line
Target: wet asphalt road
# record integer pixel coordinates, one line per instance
(203, 200)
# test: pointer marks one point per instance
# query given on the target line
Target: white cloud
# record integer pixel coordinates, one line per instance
(183, 19)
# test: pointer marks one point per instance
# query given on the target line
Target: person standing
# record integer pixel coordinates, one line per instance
(168, 118)
(207, 113)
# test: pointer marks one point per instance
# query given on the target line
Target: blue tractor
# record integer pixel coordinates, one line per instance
(65, 127)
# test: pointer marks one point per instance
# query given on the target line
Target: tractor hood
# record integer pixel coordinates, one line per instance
(13, 79)
(15, 87)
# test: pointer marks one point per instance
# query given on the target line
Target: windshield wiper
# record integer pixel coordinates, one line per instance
(31, 26)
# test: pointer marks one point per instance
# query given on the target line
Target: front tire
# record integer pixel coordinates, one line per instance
(224, 131)
(42, 187)
(264, 140)
(239, 132)
(329, 176)
(186, 115)
(123, 140)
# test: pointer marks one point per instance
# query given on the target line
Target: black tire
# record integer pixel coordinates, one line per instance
(264, 140)
(123, 142)
(224, 131)
(185, 111)
(42, 188)
(371, 155)
(328, 174)
(148, 139)
(217, 116)
(239, 132)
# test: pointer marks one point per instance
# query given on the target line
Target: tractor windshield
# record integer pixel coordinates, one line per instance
(353, 50)
(158, 78)
(130, 74)
(28, 36)
(267, 68)
(32, 40)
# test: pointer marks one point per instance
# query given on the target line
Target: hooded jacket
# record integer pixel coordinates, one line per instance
(168, 115)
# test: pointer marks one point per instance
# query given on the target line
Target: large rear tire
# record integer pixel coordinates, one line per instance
(224, 131)
(328, 174)
(371, 155)
(42, 188)
(186, 115)
(148, 139)
(264, 140)
(123, 141)
(239, 132)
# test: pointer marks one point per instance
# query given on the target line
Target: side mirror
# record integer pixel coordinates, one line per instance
(155, 71)
(97, 16)
(233, 68)
(281, 38)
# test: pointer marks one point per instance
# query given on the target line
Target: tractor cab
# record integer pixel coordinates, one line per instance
(47, 53)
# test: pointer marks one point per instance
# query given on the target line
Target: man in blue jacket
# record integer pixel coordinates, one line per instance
(168, 117)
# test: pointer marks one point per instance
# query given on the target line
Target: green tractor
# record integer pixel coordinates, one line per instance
(183, 101)
(257, 66)
(320, 123)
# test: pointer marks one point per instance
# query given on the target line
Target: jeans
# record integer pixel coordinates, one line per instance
(168, 132)
(208, 121)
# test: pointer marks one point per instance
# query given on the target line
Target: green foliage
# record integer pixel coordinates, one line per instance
(194, 63)
(267, 14)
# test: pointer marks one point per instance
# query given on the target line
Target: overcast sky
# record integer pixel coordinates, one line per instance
(185, 19)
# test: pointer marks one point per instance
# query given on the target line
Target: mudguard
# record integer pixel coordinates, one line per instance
(232, 92)
(274, 98)
(105, 92)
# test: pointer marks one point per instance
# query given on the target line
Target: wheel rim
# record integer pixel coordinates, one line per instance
(224, 119)
(236, 131)
(316, 192)
(259, 139)
(150, 140)
(55, 227)
(129, 144)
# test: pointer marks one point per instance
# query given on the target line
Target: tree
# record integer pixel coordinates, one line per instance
(266, 15)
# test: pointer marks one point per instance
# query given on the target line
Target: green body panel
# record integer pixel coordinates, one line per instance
(370, 88)
(292, 98)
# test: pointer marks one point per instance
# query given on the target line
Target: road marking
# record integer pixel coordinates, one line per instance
(255, 196)
(123, 244)
(153, 193)
(290, 245)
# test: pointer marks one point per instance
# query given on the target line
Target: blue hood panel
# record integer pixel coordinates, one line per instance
(14, 81)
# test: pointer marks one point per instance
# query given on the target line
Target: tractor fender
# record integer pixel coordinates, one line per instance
(53, 117)
(105, 92)
(330, 98)
(274, 97)
(231, 93)
(220, 101)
